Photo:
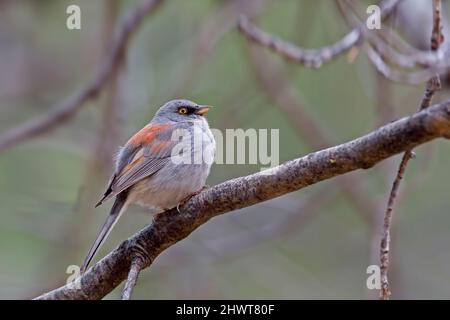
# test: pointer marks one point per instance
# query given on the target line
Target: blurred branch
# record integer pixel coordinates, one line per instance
(385, 110)
(413, 77)
(432, 86)
(381, 53)
(376, 49)
(172, 226)
(66, 109)
(314, 58)
(390, 45)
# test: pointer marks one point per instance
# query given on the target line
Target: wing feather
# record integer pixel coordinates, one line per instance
(144, 154)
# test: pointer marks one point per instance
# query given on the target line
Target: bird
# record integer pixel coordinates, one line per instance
(159, 167)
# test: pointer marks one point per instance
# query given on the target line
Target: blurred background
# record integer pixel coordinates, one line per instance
(315, 243)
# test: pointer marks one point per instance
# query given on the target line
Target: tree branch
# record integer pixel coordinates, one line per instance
(381, 53)
(172, 226)
(66, 109)
(432, 86)
(376, 49)
(133, 274)
(399, 52)
(313, 58)
(412, 77)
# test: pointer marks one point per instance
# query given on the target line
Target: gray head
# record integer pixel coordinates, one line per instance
(180, 110)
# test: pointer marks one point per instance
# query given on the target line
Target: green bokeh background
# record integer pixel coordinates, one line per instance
(47, 220)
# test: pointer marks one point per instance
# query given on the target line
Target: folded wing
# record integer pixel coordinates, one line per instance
(144, 154)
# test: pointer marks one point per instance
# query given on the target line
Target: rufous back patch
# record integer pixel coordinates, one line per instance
(147, 134)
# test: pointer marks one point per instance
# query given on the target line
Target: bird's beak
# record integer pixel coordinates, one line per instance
(202, 110)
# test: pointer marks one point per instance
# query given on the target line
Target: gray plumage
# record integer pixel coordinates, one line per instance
(150, 174)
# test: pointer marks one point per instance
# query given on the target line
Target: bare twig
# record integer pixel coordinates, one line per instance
(395, 75)
(379, 40)
(133, 274)
(432, 85)
(172, 226)
(66, 109)
(377, 51)
(215, 27)
(313, 58)
(412, 77)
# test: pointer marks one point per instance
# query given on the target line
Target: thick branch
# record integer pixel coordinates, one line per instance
(66, 109)
(171, 226)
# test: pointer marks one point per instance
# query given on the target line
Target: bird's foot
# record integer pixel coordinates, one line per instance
(183, 202)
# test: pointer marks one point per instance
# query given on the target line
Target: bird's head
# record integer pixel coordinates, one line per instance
(180, 110)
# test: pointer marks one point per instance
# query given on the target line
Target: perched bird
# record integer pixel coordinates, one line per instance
(161, 165)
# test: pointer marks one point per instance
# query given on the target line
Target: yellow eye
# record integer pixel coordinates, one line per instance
(182, 110)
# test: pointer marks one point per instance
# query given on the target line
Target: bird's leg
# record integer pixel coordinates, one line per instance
(182, 202)
(156, 215)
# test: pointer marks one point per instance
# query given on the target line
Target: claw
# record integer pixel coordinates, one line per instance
(182, 202)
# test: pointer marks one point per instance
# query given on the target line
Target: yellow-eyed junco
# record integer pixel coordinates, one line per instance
(161, 165)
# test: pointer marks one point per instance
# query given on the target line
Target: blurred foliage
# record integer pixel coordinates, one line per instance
(43, 230)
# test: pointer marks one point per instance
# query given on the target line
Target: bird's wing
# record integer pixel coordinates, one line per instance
(143, 155)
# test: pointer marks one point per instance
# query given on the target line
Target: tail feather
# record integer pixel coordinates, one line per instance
(116, 211)
(100, 202)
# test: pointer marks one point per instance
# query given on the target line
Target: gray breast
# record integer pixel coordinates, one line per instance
(175, 181)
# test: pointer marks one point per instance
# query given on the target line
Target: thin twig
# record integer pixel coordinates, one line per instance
(133, 274)
(172, 226)
(381, 53)
(412, 77)
(377, 51)
(432, 86)
(313, 58)
(380, 42)
(66, 109)
(211, 31)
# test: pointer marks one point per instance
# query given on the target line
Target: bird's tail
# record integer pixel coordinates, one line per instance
(116, 211)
